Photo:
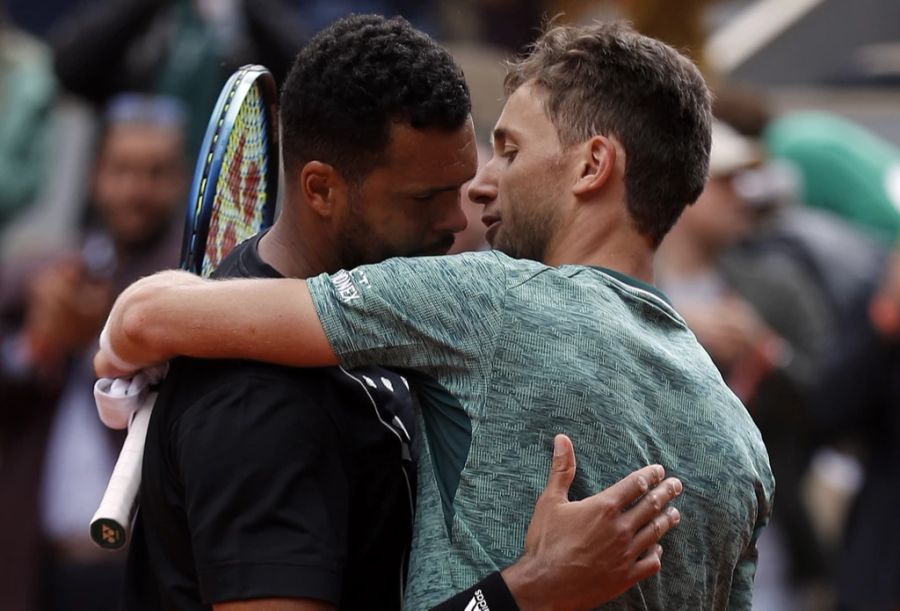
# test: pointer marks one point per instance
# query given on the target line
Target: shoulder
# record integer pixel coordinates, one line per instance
(423, 272)
(430, 287)
(199, 378)
(260, 467)
(244, 261)
(474, 272)
(248, 419)
(232, 394)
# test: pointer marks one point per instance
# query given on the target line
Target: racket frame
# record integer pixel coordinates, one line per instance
(111, 525)
(209, 165)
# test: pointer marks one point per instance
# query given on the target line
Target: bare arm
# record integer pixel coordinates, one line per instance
(175, 313)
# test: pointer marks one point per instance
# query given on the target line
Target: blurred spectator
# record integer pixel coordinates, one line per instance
(38, 18)
(506, 26)
(314, 15)
(763, 320)
(743, 108)
(841, 256)
(56, 456)
(27, 90)
(860, 399)
(844, 169)
(844, 261)
(510, 24)
(681, 24)
(181, 48)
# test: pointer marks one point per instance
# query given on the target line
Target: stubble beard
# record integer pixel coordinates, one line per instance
(357, 243)
(526, 232)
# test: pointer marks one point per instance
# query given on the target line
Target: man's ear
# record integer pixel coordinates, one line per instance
(597, 164)
(322, 187)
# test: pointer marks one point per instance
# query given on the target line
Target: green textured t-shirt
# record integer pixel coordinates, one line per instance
(507, 354)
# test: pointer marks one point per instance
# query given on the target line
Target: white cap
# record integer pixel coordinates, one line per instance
(730, 151)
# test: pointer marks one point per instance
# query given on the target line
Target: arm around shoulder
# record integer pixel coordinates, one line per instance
(175, 313)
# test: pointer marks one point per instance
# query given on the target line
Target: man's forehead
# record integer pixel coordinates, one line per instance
(523, 112)
(432, 155)
(141, 132)
(406, 140)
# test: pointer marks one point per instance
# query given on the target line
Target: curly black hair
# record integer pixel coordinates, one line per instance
(357, 77)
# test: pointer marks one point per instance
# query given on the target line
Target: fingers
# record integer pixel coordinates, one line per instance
(626, 491)
(654, 501)
(656, 529)
(562, 469)
(647, 565)
(563, 455)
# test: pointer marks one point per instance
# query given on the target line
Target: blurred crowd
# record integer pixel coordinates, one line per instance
(787, 268)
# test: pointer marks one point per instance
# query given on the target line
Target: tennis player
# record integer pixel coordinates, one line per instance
(602, 142)
(266, 487)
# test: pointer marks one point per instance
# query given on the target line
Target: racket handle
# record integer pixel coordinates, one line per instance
(111, 524)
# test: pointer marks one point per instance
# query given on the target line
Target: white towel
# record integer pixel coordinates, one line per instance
(119, 398)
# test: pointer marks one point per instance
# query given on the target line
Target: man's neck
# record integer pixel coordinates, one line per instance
(291, 257)
(613, 244)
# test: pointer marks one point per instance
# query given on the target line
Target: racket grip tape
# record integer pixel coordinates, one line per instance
(111, 524)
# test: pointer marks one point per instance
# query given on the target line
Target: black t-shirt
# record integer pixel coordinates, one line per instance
(264, 481)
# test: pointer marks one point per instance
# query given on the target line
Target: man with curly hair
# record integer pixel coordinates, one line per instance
(267, 487)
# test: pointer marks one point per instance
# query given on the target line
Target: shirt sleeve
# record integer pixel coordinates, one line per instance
(422, 313)
(265, 493)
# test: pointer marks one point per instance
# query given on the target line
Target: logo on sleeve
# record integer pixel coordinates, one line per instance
(478, 602)
(347, 284)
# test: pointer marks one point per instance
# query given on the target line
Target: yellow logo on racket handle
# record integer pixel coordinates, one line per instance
(108, 534)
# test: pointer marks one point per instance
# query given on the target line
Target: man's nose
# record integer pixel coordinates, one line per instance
(483, 188)
(454, 219)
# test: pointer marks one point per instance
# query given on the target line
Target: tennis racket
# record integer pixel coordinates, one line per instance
(233, 197)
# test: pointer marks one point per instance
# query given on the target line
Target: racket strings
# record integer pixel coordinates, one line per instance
(241, 189)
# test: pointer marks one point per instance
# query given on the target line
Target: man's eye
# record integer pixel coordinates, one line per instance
(510, 154)
(424, 197)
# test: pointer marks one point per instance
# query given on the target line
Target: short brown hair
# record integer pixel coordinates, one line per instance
(607, 79)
